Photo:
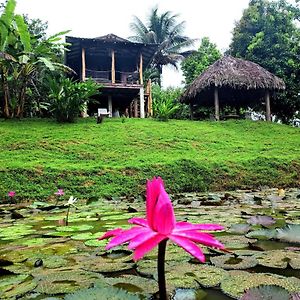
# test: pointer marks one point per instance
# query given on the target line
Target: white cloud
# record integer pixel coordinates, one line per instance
(91, 18)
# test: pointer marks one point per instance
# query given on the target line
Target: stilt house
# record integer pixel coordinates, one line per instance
(117, 65)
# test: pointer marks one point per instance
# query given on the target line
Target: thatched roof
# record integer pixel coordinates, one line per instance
(233, 73)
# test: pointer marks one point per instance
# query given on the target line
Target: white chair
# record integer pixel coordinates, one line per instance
(102, 112)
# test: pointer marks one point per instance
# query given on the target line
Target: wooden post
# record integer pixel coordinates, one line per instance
(217, 104)
(135, 108)
(142, 103)
(268, 106)
(150, 101)
(113, 67)
(110, 108)
(191, 111)
(141, 69)
(83, 67)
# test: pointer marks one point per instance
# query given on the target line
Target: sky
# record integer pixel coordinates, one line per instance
(91, 18)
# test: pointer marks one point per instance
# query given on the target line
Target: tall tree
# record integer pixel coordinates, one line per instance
(268, 35)
(199, 61)
(165, 30)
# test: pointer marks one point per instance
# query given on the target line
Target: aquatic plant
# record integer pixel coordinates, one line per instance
(158, 227)
(59, 193)
(71, 202)
(11, 195)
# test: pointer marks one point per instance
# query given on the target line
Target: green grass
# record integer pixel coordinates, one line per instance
(115, 158)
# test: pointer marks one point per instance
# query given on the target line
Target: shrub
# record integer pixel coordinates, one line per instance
(165, 102)
(68, 98)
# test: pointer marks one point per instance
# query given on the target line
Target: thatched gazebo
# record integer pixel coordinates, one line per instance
(232, 81)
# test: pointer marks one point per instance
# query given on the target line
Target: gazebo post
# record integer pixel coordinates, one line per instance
(217, 104)
(191, 111)
(268, 106)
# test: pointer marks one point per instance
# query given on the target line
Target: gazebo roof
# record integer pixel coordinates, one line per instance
(234, 73)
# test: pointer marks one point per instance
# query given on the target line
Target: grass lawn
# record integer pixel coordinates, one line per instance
(115, 158)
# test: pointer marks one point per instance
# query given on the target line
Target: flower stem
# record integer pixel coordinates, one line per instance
(161, 270)
(67, 217)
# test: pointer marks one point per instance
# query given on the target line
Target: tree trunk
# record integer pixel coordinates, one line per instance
(6, 97)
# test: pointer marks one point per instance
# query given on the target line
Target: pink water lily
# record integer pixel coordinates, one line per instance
(160, 225)
(11, 194)
(60, 192)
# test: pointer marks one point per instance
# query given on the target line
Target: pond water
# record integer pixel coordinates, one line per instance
(42, 258)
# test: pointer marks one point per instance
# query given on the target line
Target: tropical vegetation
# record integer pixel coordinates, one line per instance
(268, 34)
(165, 30)
(200, 60)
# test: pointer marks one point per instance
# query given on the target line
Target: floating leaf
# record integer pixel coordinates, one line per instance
(237, 282)
(261, 220)
(239, 228)
(266, 292)
(229, 262)
(279, 259)
(83, 227)
(262, 234)
(104, 293)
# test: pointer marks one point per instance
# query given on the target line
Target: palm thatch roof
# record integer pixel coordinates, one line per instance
(232, 73)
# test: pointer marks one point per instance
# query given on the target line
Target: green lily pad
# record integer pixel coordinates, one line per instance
(235, 241)
(83, 227)
(262, 234)
(237, 282)
(209, 276)
(229, 262)
(95, 243)
(20, 289)
(279, 259)
(135, 284)
(103, 293)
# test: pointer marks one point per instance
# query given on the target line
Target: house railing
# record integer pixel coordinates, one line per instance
(106, 76)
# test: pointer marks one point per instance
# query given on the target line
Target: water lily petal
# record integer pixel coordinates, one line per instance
(110, 233)
(189, 226)
(200, 237)
(147, 246)
(165, 219)
(141, 238)
(153, 190)
(138, 221)
(189, 246)
(125, 236)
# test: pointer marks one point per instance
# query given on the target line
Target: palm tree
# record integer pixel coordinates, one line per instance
(162, 29)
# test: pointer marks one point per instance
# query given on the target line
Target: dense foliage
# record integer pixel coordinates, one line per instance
(200, 60)
(268, 34)
(166, 104)
(68, 98)
(165, 30)
(27, 58)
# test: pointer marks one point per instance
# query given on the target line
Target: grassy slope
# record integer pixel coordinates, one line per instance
(115, 158)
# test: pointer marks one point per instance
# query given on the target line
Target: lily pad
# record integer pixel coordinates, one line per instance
(209, 276)
(279, 259)
(266, 292)
(239, 228)
(95, 243)
(262, 234)
(83, 227)
(20, 289)
(237, 282)
(261, 220)
(229, 262)
(103, 293)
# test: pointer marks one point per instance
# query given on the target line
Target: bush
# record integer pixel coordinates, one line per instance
(165, 102)
(68, 98)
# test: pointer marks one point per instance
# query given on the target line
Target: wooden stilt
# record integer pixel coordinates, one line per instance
(135, 108)
(83, 66)
(141, 69)
(191, 111)
(113, 67)
(142, 103)
(268, 106)
(217, 104)
(110, 108)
